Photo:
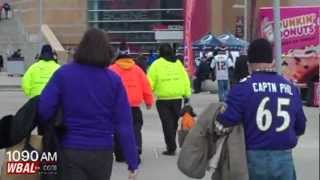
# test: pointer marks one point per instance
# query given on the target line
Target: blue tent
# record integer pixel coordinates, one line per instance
(232, 42)
(209, 41)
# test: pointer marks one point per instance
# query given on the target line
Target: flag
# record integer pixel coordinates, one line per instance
(188, 53)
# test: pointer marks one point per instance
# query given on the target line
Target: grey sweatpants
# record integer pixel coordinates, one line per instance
(86, 165)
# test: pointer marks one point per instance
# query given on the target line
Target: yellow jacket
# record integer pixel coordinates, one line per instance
(37, 77)
(169, 80)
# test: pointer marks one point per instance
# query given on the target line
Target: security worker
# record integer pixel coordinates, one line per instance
(171, 84)
(38, 74)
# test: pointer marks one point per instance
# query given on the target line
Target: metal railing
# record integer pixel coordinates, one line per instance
(142, 20)
(130, 10)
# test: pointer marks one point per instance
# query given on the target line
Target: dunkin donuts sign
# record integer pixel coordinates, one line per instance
(300, 27)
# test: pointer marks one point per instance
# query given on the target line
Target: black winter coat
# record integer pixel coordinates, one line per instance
(203, 71)
(15, 128)
(241, 68)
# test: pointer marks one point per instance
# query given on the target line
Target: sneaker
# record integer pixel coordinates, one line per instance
(169, 153)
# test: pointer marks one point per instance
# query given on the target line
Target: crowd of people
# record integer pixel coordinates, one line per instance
(220, 66)
(110, 120)
(101, 101)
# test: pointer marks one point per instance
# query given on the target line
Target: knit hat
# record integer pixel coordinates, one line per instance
(123, 48)
(46, 52)
(260, 51)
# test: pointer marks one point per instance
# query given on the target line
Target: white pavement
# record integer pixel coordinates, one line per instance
(9, 83)
(157, 167)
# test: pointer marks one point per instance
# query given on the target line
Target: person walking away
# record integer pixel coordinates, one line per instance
(123, 49)
(38, 74)
(141, 62)
(203, 72)
(171, 84)
(96, 108)
(138, 89)
(152, 57)
(241, 68)
(1, 63)
(271, 111)
(221, 63)
(230, 69)
(7, 8)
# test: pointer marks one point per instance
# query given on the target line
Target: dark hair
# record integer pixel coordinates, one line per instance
(166, 52)
(260, 51)
(123, 46)
(94, 49)
(188, 109)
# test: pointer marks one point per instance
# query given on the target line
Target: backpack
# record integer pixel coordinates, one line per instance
(187, 123)
(15, 128)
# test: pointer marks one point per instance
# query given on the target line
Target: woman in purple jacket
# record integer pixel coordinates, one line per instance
(95, 107)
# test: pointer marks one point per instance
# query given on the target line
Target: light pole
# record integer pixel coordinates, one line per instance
(245, 20)
(277, 35)
(40, 21)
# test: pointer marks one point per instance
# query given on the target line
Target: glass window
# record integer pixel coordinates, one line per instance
(134, 4)
(135, 21)
(132, 37)
(138, 26)
(136, 15)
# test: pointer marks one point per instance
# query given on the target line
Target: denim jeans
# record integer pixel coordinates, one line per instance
(271, 165)
(223, 89)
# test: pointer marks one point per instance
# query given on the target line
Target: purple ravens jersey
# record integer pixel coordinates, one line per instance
(270, 109)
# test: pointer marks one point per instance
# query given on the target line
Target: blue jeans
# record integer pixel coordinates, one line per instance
(271, 165)
(223, 89)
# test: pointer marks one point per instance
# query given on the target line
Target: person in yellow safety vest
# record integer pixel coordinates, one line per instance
(38, 74)
(171, 84)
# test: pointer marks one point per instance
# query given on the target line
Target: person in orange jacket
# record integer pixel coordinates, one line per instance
(138, 89)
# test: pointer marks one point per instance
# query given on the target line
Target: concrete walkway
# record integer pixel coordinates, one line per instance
(9, 83)
(14, 83)
(157, 167)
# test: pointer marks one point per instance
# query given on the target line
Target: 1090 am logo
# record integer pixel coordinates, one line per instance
(31, 162)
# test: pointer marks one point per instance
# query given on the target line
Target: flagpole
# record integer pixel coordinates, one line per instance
(277, 35)
(245, 20)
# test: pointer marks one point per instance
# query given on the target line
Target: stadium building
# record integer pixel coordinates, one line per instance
(143, 24)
